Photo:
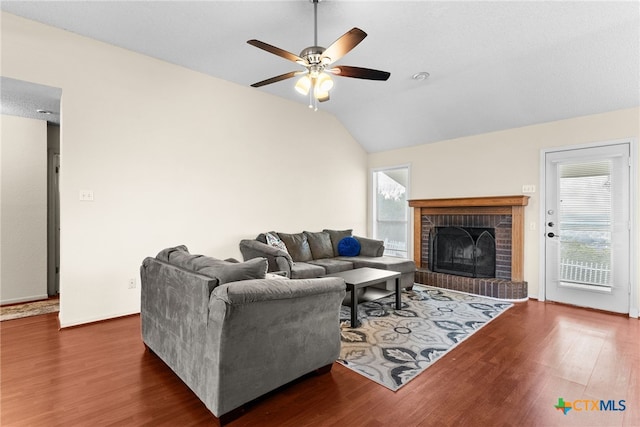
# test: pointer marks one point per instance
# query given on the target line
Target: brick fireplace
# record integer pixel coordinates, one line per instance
(504, 215)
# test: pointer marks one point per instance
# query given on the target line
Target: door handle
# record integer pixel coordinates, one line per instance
(552, 235)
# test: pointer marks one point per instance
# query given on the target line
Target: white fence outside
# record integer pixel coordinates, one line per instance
(585, 272)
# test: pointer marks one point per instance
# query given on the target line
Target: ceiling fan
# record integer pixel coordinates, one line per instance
(316, 81)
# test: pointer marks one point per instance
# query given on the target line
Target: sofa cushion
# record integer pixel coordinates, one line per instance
(182, 258)
(336, 236)
(400, 265)
(226, 272)
(349, 246)
(297, 246)
(332, 265)
(320, 244)
(164, 254)
(200, 261)
(304, 270)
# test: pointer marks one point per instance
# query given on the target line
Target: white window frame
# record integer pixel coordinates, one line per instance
(408, 210)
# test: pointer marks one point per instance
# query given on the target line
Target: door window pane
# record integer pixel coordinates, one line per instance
(585, 223)
(390, 222)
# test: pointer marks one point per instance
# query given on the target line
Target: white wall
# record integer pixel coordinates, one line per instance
(174, 157)
(499, 163)
(23, 212)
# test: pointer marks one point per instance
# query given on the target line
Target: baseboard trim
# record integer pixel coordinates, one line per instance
(88, 321)
(21, 300)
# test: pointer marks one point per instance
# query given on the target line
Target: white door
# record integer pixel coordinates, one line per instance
(587, 227)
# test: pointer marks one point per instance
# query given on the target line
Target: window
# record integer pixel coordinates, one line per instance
(586, 220)
(391, 210)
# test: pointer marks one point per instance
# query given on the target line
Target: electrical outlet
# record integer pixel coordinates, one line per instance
(132, 283)
(532, 226)
(528, 189)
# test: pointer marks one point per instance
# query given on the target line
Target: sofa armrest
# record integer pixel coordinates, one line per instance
(265, 333)
(277, 259)
(249, 291)
(174, 314)
(370, 247)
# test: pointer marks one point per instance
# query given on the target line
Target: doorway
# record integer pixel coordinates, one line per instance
(53, 210)
(587, 226)
(40, 102)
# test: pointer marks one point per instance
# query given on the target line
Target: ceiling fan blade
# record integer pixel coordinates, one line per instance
(277, 51)
(344, 44)
(277, 78)
(359, 73)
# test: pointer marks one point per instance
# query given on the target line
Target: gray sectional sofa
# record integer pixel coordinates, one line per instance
(315, 254)
(233, 333)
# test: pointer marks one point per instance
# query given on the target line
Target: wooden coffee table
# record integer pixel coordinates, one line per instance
(363, 277)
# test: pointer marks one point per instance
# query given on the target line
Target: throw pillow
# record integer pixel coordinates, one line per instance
(320, 244)
(336, 236)
(275, 241)
(370, 247)
(297, 246)
(349, 246)
(226, 272)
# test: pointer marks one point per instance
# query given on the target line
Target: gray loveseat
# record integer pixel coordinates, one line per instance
(315, 254)
(231, 334)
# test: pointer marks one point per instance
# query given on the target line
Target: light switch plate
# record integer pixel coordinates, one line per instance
(86, 195)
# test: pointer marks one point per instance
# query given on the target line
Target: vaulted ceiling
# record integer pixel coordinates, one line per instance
(492, 65)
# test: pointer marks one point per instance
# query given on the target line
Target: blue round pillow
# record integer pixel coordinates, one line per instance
(349, 246)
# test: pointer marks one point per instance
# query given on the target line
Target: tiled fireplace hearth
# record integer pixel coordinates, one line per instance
(502, 215)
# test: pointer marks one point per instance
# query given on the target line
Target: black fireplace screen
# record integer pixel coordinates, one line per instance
(464, 251)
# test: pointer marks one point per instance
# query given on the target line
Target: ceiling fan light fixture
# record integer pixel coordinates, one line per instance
(321, 95)
(303, 85)
(324, 82)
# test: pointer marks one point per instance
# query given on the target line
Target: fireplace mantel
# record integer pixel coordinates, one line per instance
(497, 205)
(470, 202)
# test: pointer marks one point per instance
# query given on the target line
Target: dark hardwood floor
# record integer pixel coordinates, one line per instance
(511, 373)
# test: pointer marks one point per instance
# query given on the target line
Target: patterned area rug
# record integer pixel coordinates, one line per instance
(28, 309)
(391, 347)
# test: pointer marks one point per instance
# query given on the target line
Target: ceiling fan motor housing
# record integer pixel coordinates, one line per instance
(313, 55)
(316, 63)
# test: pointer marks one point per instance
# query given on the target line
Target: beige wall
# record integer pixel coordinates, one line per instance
(178, 157)
(23, 213)
(174, 157)
(499, 163)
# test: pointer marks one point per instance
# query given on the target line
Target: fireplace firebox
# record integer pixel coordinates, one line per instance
(464, 251)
